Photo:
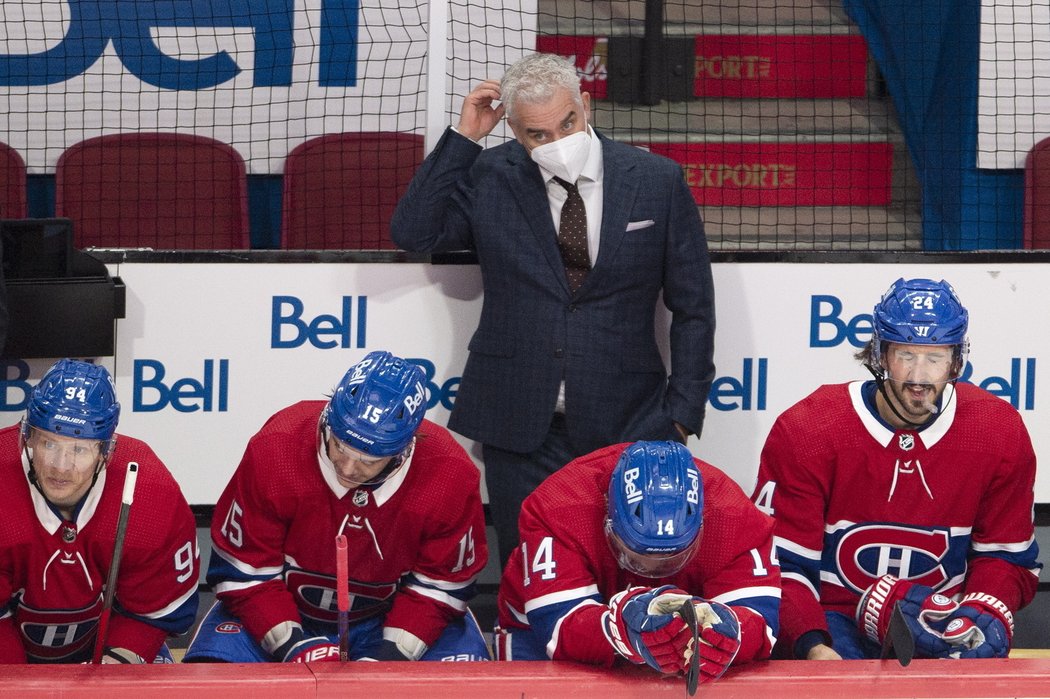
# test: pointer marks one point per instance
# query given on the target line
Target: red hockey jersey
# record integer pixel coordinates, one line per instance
(416, 542)
(560, 578)
(949, 506)
(52, 571)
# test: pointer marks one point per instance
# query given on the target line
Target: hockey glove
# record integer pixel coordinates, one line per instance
(924, 611)
(643, 625)
(643, 628)
(982, 627)
(719, 638)
(309, 650)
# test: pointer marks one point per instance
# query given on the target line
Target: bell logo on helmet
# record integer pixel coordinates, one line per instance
(630, 490)
(413, 402)
(693, 494)
(360, 372)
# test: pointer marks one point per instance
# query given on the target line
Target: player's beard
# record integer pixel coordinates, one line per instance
(916, 408)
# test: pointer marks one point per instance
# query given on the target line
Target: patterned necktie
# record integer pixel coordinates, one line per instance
(572, 236)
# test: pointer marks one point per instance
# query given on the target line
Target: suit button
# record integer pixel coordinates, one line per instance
(572, 308)
(558, 353)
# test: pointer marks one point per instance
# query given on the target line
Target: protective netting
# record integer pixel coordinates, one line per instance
(803, 125)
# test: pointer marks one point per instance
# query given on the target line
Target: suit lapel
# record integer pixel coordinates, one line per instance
(531, 194)
(618, 192)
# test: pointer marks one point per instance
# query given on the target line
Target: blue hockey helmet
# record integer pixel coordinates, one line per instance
(921, 312)
(656, 505)
(378, 405)
(75, 399)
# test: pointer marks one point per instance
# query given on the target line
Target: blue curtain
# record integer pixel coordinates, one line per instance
(927, 50)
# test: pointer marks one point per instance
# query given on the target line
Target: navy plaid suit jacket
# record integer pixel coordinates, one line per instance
(533, 333)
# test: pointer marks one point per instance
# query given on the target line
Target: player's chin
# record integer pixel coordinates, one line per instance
(348, 482)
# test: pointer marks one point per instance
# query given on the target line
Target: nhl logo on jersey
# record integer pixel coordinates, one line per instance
(69, 534)
(360, 498)
(907, 442)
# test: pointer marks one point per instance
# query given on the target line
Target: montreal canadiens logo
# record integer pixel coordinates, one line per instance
(867, 551)
(58, 636)
(228, 627)
(315, 596)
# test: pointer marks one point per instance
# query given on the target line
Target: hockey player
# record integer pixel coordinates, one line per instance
(913, 488)
(616, 542)
(65, 467)
(364, 464)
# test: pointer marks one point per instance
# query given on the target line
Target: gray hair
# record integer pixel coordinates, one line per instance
(535, 78)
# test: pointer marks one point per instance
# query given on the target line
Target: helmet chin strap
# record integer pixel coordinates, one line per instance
(880, 381)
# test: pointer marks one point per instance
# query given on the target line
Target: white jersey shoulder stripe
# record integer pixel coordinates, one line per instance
(161, 613)
(553, 645)
(748, 593)
(801, 580)
(229, 586)
(789, 545)
(270, 571)
(442, 584)
(560, 596)
(438, 596)
(1014, 547)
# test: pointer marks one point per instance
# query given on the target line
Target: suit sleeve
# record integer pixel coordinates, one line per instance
(1003, 551)
(441, 582)
(689, 295)
(788, 490)
(156, 593)
(434, 215)
(247, 558)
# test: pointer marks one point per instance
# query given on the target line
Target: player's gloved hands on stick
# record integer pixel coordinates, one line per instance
(642, 625)
(308, 650)
(925, 611)
(719, 637)
(982, 627)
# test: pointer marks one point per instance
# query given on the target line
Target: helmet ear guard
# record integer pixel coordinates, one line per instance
(655, 508)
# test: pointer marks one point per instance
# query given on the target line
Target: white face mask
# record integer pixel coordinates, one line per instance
(565, 157)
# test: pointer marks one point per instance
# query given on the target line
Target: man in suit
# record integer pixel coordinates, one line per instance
(577, 236)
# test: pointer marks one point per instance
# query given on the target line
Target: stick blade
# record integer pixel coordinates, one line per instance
(899, 643)
(692, 677)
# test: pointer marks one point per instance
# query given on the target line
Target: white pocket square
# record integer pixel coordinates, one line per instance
(638, 225)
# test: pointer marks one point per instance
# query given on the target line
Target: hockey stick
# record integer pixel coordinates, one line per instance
(118, 550)
(342, 595)
(692, 677)
(899, 643)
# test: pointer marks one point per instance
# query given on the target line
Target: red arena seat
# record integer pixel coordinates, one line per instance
(12, 183)
(340, 190)
(1037, 196)
(154, 190)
